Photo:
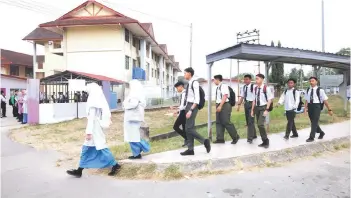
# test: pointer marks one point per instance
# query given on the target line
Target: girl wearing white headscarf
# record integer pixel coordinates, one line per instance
(134, 106)
(95, 153)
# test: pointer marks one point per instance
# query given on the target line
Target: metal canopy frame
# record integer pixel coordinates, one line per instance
(271, 54)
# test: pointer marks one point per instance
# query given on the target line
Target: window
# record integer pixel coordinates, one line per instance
(135, 41)
(147, 50)
(134, 63)
(29, 72)
(152, 72)
(147, 71)
(126, 35)
(14, 70)
(40, 65)
(127, 62)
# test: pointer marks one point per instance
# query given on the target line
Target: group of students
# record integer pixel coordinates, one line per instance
(258, 102)
(19, 103)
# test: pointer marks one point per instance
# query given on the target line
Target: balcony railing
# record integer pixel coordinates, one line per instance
(138, 73)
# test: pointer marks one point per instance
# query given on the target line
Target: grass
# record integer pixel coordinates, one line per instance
(67, 137)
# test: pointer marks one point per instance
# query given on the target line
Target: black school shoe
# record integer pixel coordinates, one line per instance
(135, 157)
(236, 140)
(286, 137)
(187, 152)
(249, 141)
(207, 145)
(219, 142)
(75, 172)
(114, 170)
(265, 144)
(294, 136)
(321, 135)
(310, 140)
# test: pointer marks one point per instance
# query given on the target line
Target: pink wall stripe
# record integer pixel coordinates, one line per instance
(33, 101)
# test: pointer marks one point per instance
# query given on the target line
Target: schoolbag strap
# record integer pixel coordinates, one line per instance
(319, 95)
(265, 92)
(294, 94)
(252, 88)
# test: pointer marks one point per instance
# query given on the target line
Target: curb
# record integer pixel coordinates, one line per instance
(247, 161)
(146, 109)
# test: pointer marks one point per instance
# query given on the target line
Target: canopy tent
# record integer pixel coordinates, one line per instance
(271, 54)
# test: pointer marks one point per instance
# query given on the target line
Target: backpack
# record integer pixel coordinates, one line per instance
(300, 103)
(319, 96)
(265, 95)
(202, 96)
(232, 99)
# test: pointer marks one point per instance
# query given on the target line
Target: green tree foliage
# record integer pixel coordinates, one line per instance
(277, 75)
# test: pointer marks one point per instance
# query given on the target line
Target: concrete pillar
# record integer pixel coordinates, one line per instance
(33, 100)
(344, 85)
(209, 101)
(143, 54)
(106, 88)
(161, 61)
(34, 60)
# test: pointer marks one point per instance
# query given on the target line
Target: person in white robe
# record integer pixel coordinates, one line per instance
(134, 107)
(95, 153)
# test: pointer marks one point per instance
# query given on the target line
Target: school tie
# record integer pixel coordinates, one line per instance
(186, 94)
(311, 96)
(181, 97)
(258, 97)
(245, 95)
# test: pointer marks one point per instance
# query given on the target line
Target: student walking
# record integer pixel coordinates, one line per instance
(13, 104)
(224, 112)
(180, 113)
(291, 100)
(192, 101)
(261, 107)
(95, 153)
(315, 100)
(3, 104)
(247, 95)
(134, 110)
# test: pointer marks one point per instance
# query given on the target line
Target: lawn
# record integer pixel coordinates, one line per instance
(67, 137)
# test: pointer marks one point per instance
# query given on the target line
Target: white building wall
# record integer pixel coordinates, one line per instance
(12, 83)
(52, 62)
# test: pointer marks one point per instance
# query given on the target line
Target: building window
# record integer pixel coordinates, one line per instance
(40, 65)
(135, 41)
(152, 72)
(14, 70)
(126, 35)
(29, 72)
(134, 63)
(148, 50)
(127, 62)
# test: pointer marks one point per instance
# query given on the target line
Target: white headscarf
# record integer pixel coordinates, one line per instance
(137, 91)
(97, 99)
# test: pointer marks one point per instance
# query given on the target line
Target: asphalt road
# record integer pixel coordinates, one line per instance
(28, 173)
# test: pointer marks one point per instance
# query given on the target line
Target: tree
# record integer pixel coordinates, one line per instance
(277, 75)
(241, 76)
(344, 51)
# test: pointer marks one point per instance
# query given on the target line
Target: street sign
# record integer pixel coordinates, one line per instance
(331, 80)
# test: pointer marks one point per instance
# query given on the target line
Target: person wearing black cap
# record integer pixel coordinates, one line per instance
(315, 100)
(261, 106)
(180, 112)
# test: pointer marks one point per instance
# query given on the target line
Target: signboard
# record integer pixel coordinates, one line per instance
(331, 80)
(76, 85)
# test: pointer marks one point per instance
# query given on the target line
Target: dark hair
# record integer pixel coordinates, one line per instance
(248, 76)
(2, 92)
(291, 79)
(260, 76)
(218, 77)
(179, 83)
(190, 70)
(312, 77)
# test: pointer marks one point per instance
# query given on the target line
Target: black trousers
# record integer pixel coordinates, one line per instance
(3, 109)
(180, 122)
(314, 112)
(261, 119)
(290, 126)
(14, 111)
(250, 121)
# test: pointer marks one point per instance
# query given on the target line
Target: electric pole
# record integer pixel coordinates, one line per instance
(191, 44)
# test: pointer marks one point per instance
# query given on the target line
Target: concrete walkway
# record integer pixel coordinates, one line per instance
(242, 148)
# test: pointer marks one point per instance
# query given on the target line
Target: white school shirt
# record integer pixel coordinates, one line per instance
(288, 99)
(3, 99)
(182, 99)
(322, 94)
(262, 97)
(193, 96)
(250, 95)
(224, 90)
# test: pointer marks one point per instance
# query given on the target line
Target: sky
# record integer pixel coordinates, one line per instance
(295, 23)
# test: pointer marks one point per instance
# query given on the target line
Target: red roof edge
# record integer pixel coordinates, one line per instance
(97, 77)
(11, 76)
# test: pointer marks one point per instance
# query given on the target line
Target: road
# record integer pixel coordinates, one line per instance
(29, 173)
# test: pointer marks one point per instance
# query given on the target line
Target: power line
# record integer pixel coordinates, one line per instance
(26, 6)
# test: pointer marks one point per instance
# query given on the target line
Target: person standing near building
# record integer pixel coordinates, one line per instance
(261, 107)
(315, 100)
(247, 95)
(180, 113)
(13, 104)
(291, 99)
(3, 104)
(192, 96)
(223, 112)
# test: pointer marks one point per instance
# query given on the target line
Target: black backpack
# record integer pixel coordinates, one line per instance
(300, 103)
(232, 98)
(265, 95)
(319, 96)
(202, 96)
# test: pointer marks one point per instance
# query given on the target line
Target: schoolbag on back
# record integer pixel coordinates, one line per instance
(318, 96)
(202, 96)
(265, 95)
(299, 106)
(232, 99)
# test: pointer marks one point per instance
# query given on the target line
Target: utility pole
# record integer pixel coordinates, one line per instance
(191, 44)
(323, 44)
(230, 73)
(34, 60)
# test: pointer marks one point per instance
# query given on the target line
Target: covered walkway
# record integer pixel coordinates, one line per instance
(270, 55)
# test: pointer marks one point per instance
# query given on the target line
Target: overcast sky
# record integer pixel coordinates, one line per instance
(296, 23)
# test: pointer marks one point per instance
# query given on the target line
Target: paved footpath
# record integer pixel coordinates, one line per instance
(29, 173)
